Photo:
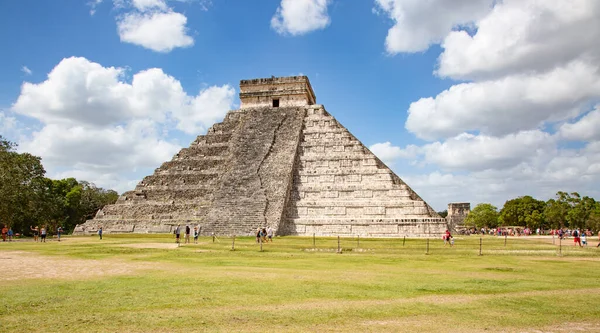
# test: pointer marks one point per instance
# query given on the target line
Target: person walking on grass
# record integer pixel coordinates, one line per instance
(177, 234)
(10, 234)
(187, 234)
(59, 232)
(4, 233)
(583, 239)
(270, 234)
(100, 233)
(446, 237)
(36, 232)
(196, 234)
(576, 237)
(43, 234)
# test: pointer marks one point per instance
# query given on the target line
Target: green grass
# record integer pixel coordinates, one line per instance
(376, 285)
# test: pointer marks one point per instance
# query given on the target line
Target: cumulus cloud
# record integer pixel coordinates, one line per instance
(585, 129)
(8, 124)
(144, 5)
(517, 102)
(419, 24)
(298, 17)
(81, 92)
(524, 36)
(388, 153)
(157, 31)
(479, 152)
(96, 123)
(530, 77)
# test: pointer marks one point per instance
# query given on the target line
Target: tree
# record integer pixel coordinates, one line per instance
(523, 211)
(483, 215)
(21, 175)
(28, 198)
(593, 222)
(580, 211)
(570, 210)
(443, 213)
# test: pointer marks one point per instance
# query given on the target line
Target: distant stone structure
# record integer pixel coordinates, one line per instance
(280, 161)
(456, 214)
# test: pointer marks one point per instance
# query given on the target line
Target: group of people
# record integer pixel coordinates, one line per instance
(448, 239)
(264, 235)
(580, 237)
(177, 233)
(7, 232)
(39, 233)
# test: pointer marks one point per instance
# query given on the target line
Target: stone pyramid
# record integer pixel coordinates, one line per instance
(280, 161)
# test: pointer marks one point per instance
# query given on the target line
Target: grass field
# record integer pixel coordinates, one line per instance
(145, 283)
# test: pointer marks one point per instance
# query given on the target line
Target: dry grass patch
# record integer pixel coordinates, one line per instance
(27, 265)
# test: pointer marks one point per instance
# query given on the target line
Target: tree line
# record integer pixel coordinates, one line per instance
(567, 210)
(28, 198)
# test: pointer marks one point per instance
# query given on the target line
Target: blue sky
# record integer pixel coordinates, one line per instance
(476, 101)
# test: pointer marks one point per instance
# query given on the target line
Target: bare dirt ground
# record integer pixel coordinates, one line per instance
(25, 265)
(151, 246)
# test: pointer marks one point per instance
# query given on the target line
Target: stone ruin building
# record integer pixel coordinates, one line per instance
(282, 161)
(457, 212)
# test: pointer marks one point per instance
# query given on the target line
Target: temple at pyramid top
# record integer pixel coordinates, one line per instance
(276, 92)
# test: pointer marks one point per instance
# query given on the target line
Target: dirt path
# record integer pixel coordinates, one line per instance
(26, 265)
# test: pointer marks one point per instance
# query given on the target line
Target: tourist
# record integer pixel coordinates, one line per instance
(10, 234)
(43, 234)
(263, 235)
(576, 237)
(270, 234)
(100, 233)
(447, 237)
(258, 235)
(177, 234)
(59, 232)
(451, 241)
(187, 234)
(583, 239)
(196, 234)
(4, 233)
(36, 232)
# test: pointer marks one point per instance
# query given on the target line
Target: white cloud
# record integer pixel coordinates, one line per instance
(298, 17)
(144, 5)
(93, 4)
(7, 124)
(26, 70)
(586, 129)
(158, 31)
(479, 152)
(97, 124)
(524, 35)
(570, 170)
(514, 103)
(388, 153)
(419, 24)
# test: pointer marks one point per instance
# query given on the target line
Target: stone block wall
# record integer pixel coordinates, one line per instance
(342, 188)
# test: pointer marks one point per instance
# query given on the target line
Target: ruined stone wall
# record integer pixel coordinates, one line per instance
(341, 188)
(457, 212)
